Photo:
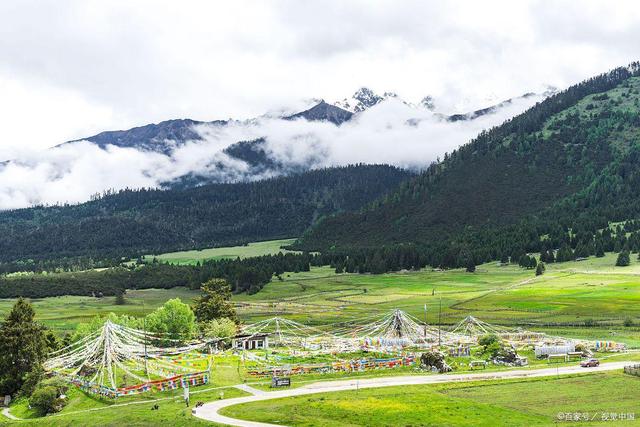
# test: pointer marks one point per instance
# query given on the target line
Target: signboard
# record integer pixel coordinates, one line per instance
(280, 382)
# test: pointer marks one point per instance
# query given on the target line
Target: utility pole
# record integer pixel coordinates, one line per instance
(439, 322)
(144, 328)
(425, 322)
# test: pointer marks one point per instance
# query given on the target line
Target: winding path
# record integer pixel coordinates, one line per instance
(209, 411)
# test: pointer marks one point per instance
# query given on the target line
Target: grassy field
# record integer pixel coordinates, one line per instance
(561, 301)
(64, 313)
(250, 250)
(85, 410)
(463, 404)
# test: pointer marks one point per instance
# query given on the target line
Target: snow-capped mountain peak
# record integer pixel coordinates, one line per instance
(365, 98)
(362, 99)
(428, 103)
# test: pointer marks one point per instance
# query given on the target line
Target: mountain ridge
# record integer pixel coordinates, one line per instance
(569, 162)
(137, 222)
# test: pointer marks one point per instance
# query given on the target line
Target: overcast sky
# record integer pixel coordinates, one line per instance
(73, 68)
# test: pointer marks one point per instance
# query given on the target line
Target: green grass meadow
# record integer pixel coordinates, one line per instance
(85, 410)
(64, 313)
(532, 402)
(589, 299)
(562, 301)
(249, 250)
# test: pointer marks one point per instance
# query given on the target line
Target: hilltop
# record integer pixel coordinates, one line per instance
(569, 162)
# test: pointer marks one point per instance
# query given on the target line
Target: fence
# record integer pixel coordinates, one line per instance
(632, 370)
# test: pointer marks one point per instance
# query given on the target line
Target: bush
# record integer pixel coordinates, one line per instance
(493, 349)
(46, 400)
(174, 320)
(628, 322)
(31, 380)
(120, 300)
(222, 328)
(623, 259)
(471, 266)
(58, 383)
(487, 340)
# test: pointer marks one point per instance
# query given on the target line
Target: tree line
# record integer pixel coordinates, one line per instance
(552, 178)
(130, 223)
(244, 275)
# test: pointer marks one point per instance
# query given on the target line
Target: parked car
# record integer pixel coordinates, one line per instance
(590, 363)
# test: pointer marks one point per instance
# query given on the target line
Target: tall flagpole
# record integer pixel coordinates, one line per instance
(425, 322)
(439, 321)
(144, 327)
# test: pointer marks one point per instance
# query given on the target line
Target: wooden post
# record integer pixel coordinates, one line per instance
(439, 323)
(425, 322)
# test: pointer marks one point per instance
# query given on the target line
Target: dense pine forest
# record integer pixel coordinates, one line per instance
(553, 177)
(561, 180)
(130, 223)
(243, 275)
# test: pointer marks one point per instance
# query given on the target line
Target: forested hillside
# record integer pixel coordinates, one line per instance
(133, 222)
(571, 162)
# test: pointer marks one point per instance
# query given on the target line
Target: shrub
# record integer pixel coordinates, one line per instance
(222, 328)
(623, 259)
(31, 380)
(175, 320)
(628, 322)
(493, 349)
(487, 340)
(120, 300)
(46, 400)
(58, 383)
(471, 266)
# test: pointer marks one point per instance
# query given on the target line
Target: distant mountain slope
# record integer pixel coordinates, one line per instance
(324, 112)
(164, 136)
(153, 221)
(187, 153)
(567, 159)
(161, 137)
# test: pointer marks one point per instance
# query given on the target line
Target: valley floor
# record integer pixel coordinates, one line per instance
(546, 397)
(589, 299)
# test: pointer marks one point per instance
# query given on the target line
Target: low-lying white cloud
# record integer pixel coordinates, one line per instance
(390, 132)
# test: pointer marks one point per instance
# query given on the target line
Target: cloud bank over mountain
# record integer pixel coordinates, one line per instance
(81, 66)
(392, 132)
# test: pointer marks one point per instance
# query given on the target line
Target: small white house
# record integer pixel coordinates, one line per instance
(251, 342)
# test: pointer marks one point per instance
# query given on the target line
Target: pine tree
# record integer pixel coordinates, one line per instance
(215, 303)
(550, 257)
(623, 259)
(120, 300)
(471, 266)
(23, 346)
(599, 250)
(524, 261)
(565, 254)
(504, 259)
